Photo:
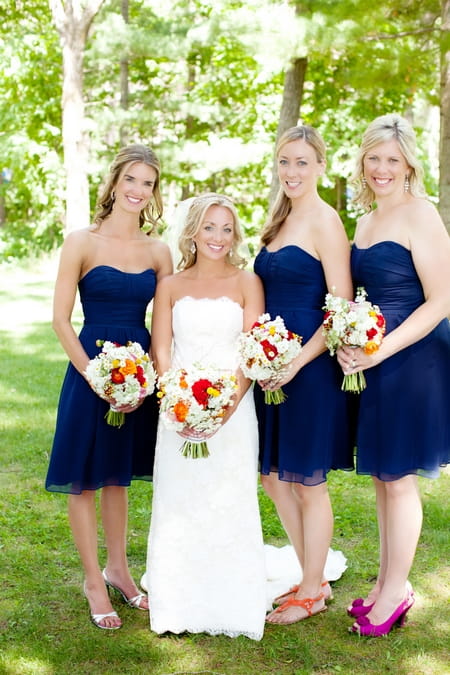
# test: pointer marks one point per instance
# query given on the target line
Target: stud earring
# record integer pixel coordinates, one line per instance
(364, 182)
(193, 248)
(406, 183)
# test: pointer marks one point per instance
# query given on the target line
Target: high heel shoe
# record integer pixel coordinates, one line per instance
(363, 625)
(134, 602)
(358, 608)
(97, 618)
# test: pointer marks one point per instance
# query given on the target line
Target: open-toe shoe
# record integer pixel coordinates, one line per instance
(134, 602)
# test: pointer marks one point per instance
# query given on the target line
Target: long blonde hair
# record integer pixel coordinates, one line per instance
(131, 154)
(194, 219)
(282, 205)
(382, 129)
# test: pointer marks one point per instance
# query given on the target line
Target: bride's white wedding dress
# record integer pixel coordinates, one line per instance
(205, 564)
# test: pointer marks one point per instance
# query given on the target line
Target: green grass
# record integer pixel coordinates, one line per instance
(44, 624)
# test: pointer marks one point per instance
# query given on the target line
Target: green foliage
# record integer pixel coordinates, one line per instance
(205, 82)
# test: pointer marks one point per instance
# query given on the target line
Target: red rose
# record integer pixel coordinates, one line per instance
(199, 389)
(117, 377)
(371, 333)
(269, 349)
(380, 320)
(140, 375)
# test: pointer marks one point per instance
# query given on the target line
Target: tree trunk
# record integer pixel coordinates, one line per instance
(73, 19)
(290, 110)
(444, 156)
(124, 80)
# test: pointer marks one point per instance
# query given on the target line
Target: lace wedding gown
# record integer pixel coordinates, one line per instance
(205, 563)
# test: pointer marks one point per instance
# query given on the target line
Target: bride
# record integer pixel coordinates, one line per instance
(205, 563)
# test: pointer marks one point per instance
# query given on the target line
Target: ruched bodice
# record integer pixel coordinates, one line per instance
(412, 436)
(310, 433)
(390, 276)
(87, 453)
(110, 297)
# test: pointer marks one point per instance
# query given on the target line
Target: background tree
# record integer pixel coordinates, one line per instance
(73, 19)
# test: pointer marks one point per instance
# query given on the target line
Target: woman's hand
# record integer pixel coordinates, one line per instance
(354, 359)
(280, 378)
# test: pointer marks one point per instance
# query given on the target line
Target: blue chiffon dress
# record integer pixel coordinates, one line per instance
(88, 453)
(311, 431)
(404, 416)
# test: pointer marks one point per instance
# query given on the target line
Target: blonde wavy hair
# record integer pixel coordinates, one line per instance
(382, 129)
(283, 204)
(131, 154)
(194, 220)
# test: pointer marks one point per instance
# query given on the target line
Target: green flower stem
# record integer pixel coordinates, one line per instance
(194, 449)
(355, 382)
(115, 418)
(274, 397)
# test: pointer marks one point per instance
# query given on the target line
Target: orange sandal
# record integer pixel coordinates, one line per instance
(304, 603)
(280, 599)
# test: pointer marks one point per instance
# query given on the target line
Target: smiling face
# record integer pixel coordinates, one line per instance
(134, 188)
(298, 168)
(385, 168)
(215, 235)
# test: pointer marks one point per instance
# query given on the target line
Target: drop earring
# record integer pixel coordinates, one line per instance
(363, 182)
(193, 247)
(113, 196)
(406, 183)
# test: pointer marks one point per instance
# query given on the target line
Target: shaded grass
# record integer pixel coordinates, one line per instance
(44, 624)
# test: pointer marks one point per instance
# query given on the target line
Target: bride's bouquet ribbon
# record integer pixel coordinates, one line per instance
(121, 374)
(194, 401)
(266, 350)
(353, 323)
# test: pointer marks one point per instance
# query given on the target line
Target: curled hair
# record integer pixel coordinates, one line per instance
(131, 154)
(382, 129)
(283, 204)
(194, 220)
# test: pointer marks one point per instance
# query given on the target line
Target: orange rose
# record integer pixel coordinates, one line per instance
(129, 368)
(181, 410)
(370, 347)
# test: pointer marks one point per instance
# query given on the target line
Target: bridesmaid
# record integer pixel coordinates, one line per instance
(401, 256)
(304, 254)
(115, 266)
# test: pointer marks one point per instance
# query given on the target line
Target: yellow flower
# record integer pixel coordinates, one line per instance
(271, 330)
(212, 392)
(116, 363)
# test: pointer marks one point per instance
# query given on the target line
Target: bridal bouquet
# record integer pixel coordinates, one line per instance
(265, 350)
(195, 401)
(355, 323)
(123, 374)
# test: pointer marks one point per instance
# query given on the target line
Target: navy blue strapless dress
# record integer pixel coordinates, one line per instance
(404, 417)
(88, 453)
(311, 432)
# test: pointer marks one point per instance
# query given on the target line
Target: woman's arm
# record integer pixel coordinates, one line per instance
(69, 272)
(161, 330)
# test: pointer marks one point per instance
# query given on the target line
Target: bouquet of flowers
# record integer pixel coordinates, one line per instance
(265, 350)
(123, 374)
(195, 401)
(355, 323)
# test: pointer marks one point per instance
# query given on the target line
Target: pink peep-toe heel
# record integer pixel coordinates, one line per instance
(363, 625)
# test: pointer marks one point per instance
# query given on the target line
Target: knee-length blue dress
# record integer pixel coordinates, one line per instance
(404, 415)
(311, 431)
(88, 453)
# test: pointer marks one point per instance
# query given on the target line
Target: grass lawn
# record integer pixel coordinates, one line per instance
(44, 622)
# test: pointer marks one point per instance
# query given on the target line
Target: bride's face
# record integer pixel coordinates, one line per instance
(215, 235)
